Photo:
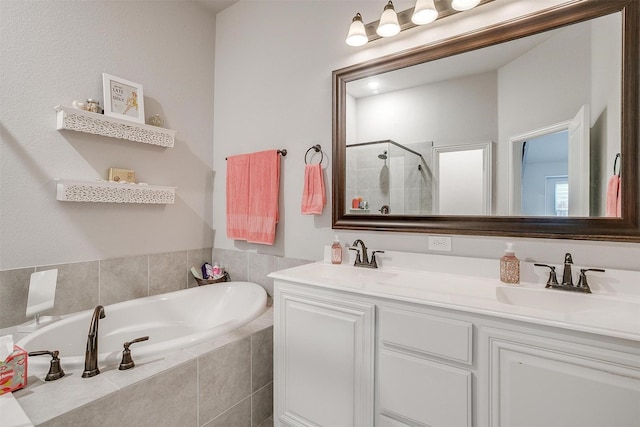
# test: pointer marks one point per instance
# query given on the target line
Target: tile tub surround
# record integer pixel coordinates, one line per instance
(225, 382)
(254, 267)
(83, 285)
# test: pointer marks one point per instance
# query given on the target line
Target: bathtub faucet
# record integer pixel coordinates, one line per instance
(91, 355)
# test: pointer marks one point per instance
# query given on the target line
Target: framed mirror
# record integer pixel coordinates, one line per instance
(553, 95)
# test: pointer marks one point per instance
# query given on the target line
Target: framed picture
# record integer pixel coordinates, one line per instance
(122, 98)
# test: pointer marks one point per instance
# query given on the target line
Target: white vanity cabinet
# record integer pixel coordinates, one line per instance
(323, 359)
(349, 356)
(534, 380)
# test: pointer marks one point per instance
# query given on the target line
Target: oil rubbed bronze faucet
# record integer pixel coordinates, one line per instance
(91, 355)
(364, 261)
(567, 277)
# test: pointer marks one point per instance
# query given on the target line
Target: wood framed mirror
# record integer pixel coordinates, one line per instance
(352, 132)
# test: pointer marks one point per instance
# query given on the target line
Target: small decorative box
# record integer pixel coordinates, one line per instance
(122, 175)
(13, 371)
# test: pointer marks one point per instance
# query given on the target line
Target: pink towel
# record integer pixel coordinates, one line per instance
(614, 205)
(264, 186)
(237, 196)
(313, 194)
(253, 183)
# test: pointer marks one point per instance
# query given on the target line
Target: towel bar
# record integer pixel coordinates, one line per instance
(282, 152)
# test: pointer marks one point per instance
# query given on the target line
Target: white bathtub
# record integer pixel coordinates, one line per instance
(172, 321)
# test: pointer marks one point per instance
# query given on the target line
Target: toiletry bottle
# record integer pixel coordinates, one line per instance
(336, 251)
(509, 266)
(216, 270)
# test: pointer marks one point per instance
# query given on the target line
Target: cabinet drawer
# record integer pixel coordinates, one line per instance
(418, 391)
(433, 335)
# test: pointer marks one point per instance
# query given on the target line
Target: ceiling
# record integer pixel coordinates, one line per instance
(216, 6)
(457, 66)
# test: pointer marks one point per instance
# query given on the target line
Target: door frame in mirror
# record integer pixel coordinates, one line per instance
(626, 228)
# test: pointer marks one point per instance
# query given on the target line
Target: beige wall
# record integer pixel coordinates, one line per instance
(56, 51)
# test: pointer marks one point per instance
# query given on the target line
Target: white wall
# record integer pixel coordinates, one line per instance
(605, 105)
(432, 112)
(56, 51)
(273, 89)
(531, 97)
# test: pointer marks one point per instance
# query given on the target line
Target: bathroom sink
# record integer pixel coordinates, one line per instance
(346, 274)
(440, 283)
(566, 302)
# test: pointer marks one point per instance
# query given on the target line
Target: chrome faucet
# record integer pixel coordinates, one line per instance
(364, 261)
(91, 354)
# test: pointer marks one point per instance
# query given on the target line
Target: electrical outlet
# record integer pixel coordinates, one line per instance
(440, 243)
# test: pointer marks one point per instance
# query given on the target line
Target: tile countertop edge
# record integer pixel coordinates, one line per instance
(467, 304)
(11, 413)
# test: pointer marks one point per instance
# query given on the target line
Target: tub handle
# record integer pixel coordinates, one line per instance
(55, 370)
(127, 361)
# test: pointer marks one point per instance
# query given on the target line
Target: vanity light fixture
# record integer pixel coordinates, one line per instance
(388, 26)
(357, 34)
(464, 4)
(391, 23)
(425, 12)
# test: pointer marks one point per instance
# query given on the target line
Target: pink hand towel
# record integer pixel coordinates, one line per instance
(264, 187)
(237, 196)
(613, 205)
(313, 194)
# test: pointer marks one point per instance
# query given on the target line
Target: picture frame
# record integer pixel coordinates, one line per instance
(123, 99)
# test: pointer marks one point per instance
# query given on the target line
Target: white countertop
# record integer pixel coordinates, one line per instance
(609, 311)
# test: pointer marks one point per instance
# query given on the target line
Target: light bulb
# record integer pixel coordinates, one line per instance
(388, 25)
(357, 33)
(464, 4)
(424, 12)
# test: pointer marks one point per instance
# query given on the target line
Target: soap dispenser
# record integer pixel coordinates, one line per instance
(336, 251)
(509, 266)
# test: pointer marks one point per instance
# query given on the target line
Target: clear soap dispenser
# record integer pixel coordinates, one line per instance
(509, 266)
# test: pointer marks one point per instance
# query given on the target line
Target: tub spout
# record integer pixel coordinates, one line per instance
(91, 355)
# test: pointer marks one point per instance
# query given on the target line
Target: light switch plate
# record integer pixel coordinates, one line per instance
(440, 243)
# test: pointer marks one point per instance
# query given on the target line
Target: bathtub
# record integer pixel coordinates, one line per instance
(172, 321)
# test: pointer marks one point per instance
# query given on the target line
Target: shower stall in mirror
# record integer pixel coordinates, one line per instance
(386, 177)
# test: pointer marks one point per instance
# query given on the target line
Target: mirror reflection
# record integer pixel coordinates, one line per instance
(548, 104)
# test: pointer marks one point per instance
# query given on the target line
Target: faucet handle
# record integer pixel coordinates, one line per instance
(358, 259)
(374, 262)
(553, 278)
(127, 361)
(55, 370)
(582, 281)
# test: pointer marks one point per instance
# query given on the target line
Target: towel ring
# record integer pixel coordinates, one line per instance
(615, 163)
(317, 148)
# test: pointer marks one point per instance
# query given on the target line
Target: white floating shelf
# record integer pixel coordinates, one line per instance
(99, 124)
(113, 192)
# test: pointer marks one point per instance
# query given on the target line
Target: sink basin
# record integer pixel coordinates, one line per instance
(345, 274)
(440, 283)
(565, 302)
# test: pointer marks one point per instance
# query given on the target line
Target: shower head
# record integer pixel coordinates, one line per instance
(383, 156)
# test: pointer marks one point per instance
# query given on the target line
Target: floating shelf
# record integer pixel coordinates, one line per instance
(113, 192)
(99, 124)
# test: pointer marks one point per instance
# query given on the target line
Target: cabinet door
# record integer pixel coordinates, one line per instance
(323, 360)
(543, 382)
